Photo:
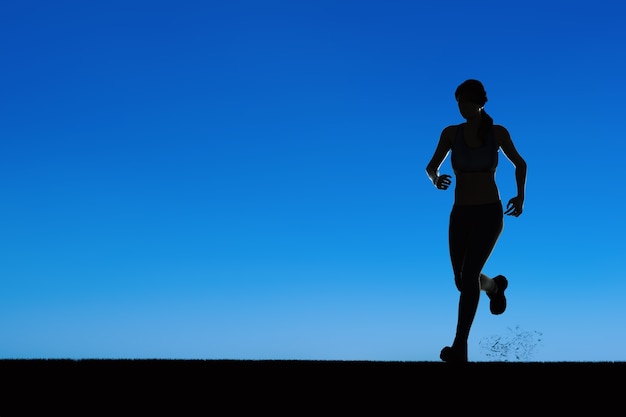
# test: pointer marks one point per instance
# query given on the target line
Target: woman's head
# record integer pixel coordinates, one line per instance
(471, 91)
(471, 98)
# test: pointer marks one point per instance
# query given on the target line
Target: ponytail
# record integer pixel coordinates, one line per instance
(486, 123)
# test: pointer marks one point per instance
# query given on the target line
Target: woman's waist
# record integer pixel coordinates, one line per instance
(473, 190)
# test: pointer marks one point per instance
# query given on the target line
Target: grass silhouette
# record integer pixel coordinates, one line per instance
(303, 387)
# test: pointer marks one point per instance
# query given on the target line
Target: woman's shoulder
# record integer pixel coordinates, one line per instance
(501, 134)
(500, 130)
(449, 133)
(451, 129)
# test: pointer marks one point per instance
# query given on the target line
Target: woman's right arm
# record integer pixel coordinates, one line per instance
(441, 152)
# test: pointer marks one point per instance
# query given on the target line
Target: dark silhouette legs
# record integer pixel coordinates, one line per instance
(473, 233)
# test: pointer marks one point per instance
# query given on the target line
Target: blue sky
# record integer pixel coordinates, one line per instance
(246, 179)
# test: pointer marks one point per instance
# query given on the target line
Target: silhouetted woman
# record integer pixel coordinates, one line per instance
(476, 218)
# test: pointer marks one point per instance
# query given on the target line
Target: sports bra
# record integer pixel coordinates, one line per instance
(466, 158)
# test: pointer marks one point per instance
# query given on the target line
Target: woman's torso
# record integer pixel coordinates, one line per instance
(474, 165)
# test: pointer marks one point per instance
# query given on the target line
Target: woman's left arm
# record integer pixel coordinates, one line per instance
(515, 206)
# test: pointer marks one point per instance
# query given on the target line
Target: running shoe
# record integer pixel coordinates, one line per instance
(497, 303)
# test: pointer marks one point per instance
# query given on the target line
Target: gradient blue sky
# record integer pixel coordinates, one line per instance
(246, 179)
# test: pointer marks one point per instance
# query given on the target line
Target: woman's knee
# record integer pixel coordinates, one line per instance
(468, 283)
(458, 282)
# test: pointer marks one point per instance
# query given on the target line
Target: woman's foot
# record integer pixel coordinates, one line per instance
(497, 303)
(453, 354)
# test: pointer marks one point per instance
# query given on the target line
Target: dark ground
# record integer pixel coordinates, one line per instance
(286, 387)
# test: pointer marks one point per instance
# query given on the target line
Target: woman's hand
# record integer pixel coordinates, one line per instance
(515, 206)
(442, 182)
